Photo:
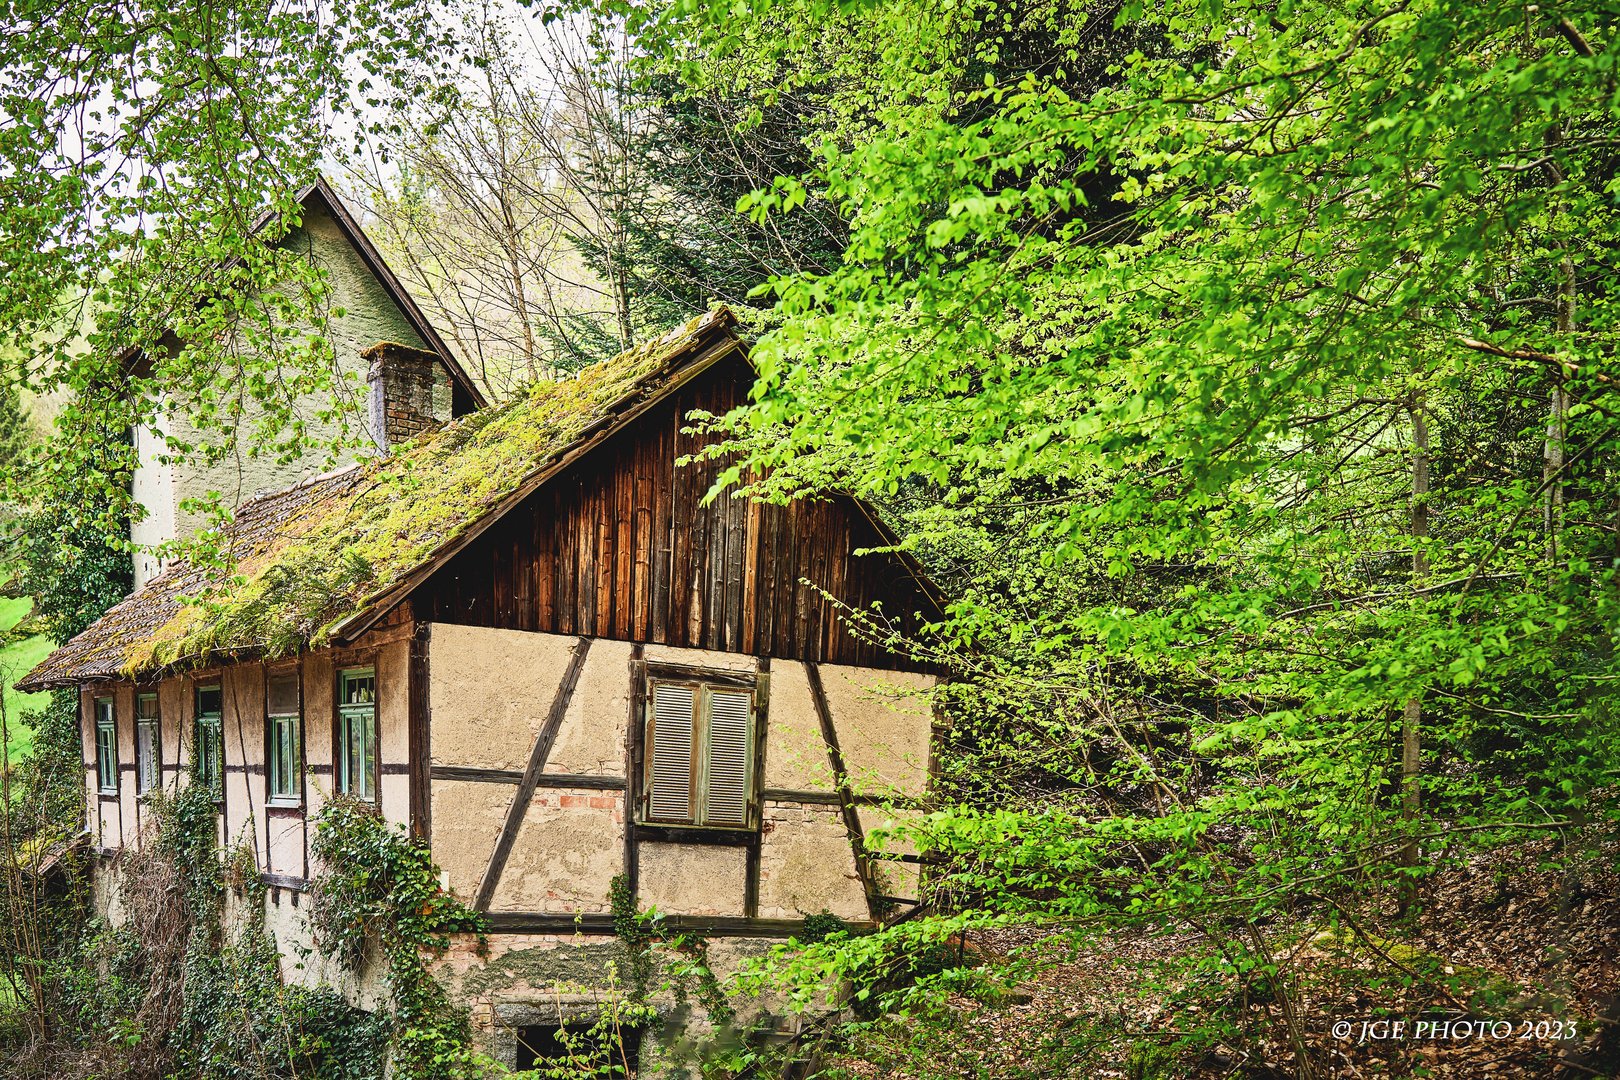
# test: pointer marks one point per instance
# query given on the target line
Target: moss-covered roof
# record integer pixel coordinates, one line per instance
(305, 561)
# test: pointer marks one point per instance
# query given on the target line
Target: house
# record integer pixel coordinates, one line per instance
(394, 375)
(527, 638)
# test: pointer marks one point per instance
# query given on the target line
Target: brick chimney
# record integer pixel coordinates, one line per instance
(410, 392)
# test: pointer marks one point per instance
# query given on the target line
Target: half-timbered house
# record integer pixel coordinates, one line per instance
(528, 638)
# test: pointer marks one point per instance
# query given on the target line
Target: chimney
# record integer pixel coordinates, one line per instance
(410, 392)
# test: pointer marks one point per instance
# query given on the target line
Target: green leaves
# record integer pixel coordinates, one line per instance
(376, 886)
(1134, 357)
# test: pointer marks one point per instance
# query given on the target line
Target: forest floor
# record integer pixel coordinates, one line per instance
(1504, 956)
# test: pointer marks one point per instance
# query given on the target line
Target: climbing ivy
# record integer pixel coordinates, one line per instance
(377, 888)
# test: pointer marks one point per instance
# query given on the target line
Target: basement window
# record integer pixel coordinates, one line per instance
(600, 1049)
(700, 754)
(106, 747)
(148, 764)
(283, 733)
(357, 733)
(208, 752)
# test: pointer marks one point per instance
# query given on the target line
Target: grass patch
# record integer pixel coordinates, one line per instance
(17, 658)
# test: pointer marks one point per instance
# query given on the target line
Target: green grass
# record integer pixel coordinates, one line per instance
(17, 658)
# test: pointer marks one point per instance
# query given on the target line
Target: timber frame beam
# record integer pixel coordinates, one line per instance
(531, 776)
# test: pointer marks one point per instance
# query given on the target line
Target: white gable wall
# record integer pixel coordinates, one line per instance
(369, 316)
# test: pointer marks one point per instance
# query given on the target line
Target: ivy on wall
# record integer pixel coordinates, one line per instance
(378, 889)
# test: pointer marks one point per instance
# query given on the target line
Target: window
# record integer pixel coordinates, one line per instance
(148, 764)
(286, 743)
(700, 751)
(106, 746)
(209, 751)
(357, 733)
(550, 1049)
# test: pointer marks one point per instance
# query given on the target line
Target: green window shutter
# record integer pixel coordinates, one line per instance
(669, 788)
(725, 800)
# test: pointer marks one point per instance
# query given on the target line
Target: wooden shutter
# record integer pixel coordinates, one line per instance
(669, 788)
(725, 799)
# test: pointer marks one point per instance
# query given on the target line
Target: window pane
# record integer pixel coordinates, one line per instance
(357, 698)
(146, 706)
(207, 753)
(106, 746)
(359, 752)
(725, 800)
(345, 765)
(670, 783)
(359, 688)
(283, 757)
(209, 701)
(368, 756)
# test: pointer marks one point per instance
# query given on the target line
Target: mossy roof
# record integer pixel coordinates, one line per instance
(307, 561)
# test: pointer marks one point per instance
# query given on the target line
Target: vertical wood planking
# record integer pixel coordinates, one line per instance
(619, 546)
(662, 449)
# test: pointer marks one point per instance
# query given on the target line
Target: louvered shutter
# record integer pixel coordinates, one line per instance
(726, 791)
(670, 787)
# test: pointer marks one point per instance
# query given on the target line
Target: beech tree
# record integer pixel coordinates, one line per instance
(1258, 389)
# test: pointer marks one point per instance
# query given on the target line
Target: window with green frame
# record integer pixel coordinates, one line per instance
(357, 733)
(208, 752)
(148, 765)
(285, 749)
(106, 746)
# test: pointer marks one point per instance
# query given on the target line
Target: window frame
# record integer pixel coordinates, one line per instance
(106, 752)
(144, 784)
(213, 723)
(274, 722)
(703, 683)
(343, 716)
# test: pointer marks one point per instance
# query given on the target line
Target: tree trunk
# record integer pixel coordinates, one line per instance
(1412, 713)
(1552, 456)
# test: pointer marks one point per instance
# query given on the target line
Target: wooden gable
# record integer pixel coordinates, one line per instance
(620, 546)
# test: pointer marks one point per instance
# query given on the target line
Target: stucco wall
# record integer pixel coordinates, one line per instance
(393, 664)
(565, 854)
(490, 691)
(591, 739)
(693, 879)
(806, 864)
(795, 753)
(467, 817)
(319, 695)
(884, 722)
(153, 489)
(242, 690)
(489, 694)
